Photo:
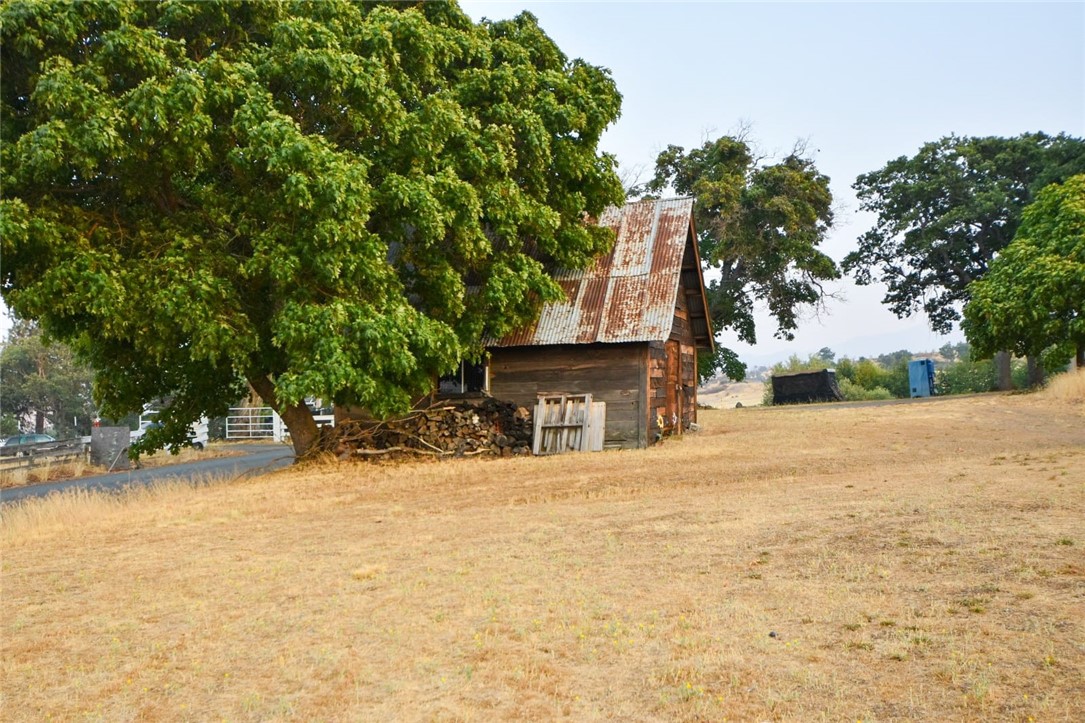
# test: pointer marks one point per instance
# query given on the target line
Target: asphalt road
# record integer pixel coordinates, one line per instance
(255, 459)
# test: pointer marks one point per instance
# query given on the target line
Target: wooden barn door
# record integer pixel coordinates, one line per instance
(674, 413)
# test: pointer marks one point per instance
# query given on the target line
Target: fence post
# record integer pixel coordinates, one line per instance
(277, 427)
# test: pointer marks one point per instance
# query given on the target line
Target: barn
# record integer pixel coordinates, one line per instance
(628, 332)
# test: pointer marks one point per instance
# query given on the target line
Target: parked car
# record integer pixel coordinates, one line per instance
(23, 444)
(197, 434)
(28, 439)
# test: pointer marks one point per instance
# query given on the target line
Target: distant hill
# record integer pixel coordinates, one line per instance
(726, 394)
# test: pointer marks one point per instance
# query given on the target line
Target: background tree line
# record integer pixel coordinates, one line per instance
(959, 208)
(956, 371)
(966, 208)
(45, 388)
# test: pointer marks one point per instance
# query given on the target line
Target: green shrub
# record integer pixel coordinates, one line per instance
(766, 395)
(854, 393)
(1018, 374)
(896, 380)
(869, 374)
(845, 369)
(865, 378)
(966, 377)
(795, 364)
(1058, 357)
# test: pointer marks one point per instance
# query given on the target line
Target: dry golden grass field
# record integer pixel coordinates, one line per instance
(48, 472)
(920, 561)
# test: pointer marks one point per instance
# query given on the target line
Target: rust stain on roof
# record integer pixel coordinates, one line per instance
(626, 295)
(593, 297)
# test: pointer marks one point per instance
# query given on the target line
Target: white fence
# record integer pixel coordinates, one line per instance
(262, 423)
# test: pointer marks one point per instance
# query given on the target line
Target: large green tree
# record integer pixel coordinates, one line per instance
(943, 214)
(44, 385)
(759, 227)
(1033, 295)
(333, 199)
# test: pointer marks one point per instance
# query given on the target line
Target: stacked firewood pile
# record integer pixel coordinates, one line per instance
(445, 429)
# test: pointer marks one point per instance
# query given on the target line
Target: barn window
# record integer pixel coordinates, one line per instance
(469, 378)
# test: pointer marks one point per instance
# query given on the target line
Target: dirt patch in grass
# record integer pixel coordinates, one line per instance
(919, 561)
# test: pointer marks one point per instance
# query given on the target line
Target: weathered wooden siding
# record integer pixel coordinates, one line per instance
(689, 385)
(681, 332)
(656, 418)
(612, 373)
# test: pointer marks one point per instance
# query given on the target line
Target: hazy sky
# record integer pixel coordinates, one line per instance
(862, 83)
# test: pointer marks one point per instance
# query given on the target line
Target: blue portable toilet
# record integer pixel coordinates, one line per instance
(921, 377)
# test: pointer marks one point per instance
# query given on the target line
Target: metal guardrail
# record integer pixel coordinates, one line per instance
(25, 450)
(44, 455)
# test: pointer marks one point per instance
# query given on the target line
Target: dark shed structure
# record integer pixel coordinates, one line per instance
(628, 332)
(806, 387)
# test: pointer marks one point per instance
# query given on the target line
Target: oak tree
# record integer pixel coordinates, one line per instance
(1033, 295)
(333, 199)
(943, 214)
(45, 389)
(759, 227)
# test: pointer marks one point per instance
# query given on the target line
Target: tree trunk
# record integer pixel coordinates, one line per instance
(298, 418)
(1035, 371)
(1005, 377)
(1079, 358)
(39, 422)
(304, 433)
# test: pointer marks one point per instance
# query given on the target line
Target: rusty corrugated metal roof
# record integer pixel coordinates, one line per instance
(627, 295)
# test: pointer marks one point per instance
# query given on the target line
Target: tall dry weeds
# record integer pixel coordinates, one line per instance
(1066, 387)
(49, 471)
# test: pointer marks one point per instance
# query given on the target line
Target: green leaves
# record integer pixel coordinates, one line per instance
(43, 382)
(1033, 296)
(341, 198)
(946, 212)
(759, 228)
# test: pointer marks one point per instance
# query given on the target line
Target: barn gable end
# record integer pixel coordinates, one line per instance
(627, 333)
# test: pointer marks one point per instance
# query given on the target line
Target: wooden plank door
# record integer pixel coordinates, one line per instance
(597, 427)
